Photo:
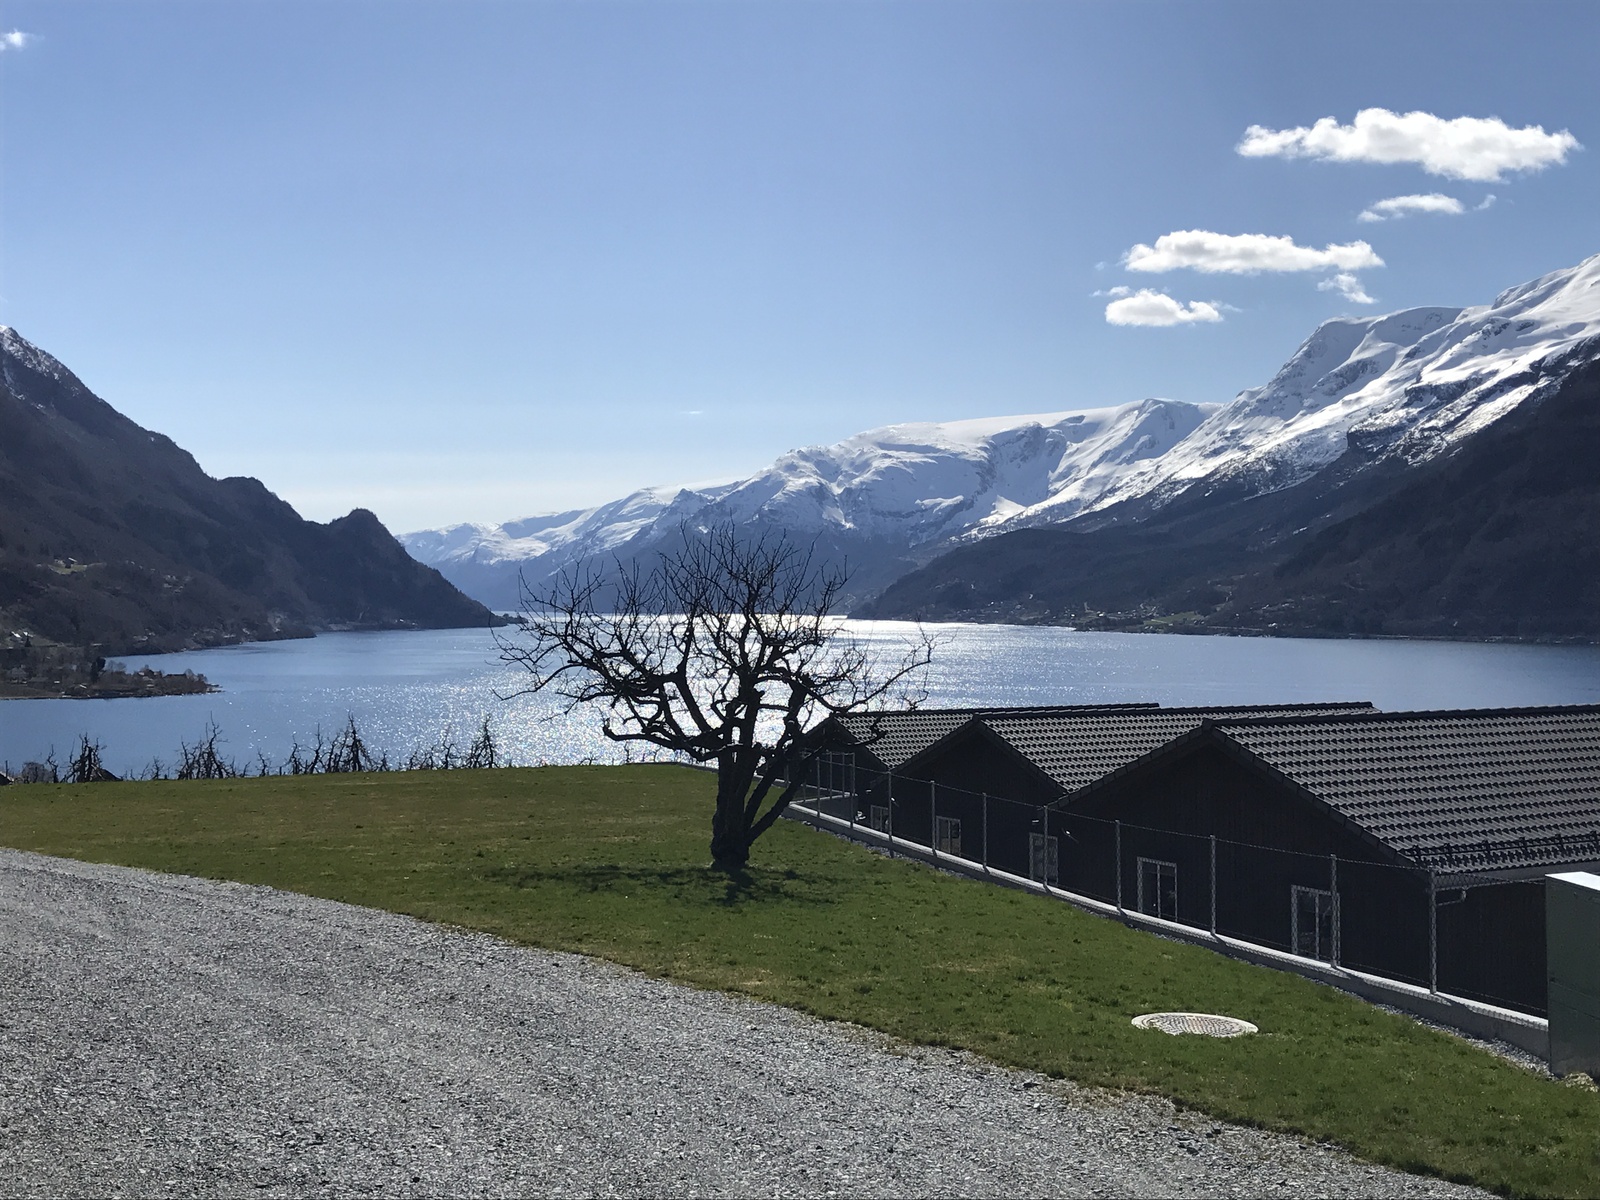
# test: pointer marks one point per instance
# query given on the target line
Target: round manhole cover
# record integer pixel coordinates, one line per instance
(1204, 1024)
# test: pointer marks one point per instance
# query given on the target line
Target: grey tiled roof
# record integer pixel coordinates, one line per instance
(1075, 749)
(1475, 790)
(894, 737)
(891, 738)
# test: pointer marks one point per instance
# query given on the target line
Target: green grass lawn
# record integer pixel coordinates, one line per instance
(613, 862)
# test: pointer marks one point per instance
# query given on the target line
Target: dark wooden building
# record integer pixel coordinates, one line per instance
(982, 791)
(861, 752)
(1410, 845)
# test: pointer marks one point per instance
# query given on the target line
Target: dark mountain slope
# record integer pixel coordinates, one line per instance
(1501, 539)
(1496, 539)
(113, 535)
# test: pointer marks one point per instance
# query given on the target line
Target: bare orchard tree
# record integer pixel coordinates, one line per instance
(726, 652)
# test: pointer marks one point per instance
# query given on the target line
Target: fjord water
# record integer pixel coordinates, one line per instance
(409, 689)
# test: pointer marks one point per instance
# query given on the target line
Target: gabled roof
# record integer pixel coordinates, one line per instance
(894, 737)
(1073, 750)
(1459, 791)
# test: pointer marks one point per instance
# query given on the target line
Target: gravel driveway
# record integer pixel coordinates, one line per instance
(161, 1034)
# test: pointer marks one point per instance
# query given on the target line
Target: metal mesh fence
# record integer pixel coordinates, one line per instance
(1381, 918)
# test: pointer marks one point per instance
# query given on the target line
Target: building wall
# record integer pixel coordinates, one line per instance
(974, 761)
(1270, 840)
(953, 780)
(1494, 940)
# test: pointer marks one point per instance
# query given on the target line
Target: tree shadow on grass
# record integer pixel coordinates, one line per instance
(696, 885)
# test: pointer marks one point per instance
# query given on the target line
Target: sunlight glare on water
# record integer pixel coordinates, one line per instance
(409, 689)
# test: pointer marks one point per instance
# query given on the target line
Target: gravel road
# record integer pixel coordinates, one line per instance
(168, 1035)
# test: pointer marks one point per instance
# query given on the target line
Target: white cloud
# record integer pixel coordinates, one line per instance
(1244, 254)
(15, 40)
(1119, 290)
(1348, 286)
(1147, 307)
(1396, 207)
(1476, 148)
(1488, 202)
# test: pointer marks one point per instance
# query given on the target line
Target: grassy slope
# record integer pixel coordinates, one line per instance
(612, 862)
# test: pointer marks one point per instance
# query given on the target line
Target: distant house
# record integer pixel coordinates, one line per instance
(1410, 845)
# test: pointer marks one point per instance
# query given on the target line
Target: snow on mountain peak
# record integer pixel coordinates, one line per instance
(1411, 383)
(1572, 283)
(909, 483)
(1414, 381)
(926, 480)
(14, 345)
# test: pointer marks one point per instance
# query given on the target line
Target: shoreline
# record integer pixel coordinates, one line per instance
(118, 685)
(1188, 630)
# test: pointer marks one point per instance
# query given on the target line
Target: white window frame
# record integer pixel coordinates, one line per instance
(878, 817)
(1153, 907)
(947, 835)
(1325, 904)
(1044, 858)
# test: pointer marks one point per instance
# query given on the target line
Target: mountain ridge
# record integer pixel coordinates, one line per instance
(111, 535)
(1494, 539)
(894, 490)
(1361, 396)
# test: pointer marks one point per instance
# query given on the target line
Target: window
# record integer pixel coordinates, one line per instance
(878, 817)
(1158, 888)
(947, 835)
(1314, 923)
(1044, 859)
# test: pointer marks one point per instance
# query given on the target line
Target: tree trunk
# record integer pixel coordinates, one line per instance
(730, 835)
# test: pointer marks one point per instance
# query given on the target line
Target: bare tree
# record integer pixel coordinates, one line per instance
(726, 651)
(483, 754)
(202, 761)
(86, 766)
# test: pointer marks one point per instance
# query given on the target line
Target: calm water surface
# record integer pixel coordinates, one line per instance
(409, 689)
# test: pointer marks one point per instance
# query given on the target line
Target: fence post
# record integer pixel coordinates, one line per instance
(817, 804)
(933, 819)
(1044, 847)
(1213, 885)
(1338, 917)
(986, 832)
(816, 794)
(1433, 932)
(1119, 866)
(889, 789)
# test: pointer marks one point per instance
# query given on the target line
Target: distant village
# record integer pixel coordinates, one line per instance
(33, 668)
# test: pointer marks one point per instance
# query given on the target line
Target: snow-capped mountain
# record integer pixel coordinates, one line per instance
(1413, 382)
(900, 488)
(485, 560)
(1410, 384)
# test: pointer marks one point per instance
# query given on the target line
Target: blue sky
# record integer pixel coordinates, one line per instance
(474, 260)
